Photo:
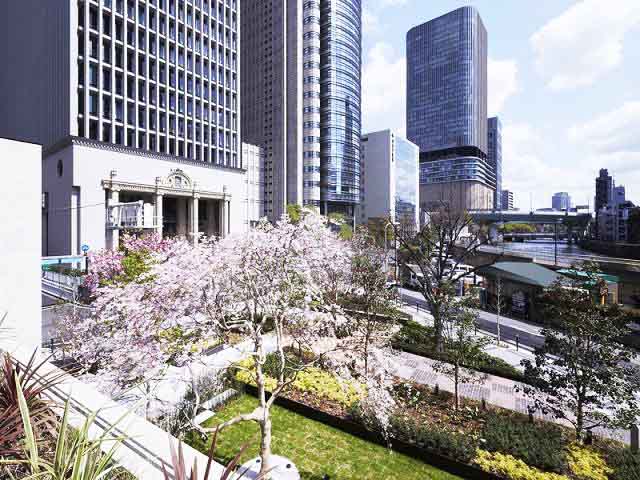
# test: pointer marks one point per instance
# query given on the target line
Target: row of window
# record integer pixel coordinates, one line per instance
(161, 144)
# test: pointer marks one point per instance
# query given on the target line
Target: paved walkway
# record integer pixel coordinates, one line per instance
(494, 390)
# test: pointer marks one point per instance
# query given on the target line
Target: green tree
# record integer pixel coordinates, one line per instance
(375, 320)
(463, 345)
(581, 373)
(518, 228)
(294, 211)
(449, 238)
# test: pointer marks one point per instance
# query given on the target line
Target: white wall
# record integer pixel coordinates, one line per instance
(378, 183)
(20, 242)
(86, 166)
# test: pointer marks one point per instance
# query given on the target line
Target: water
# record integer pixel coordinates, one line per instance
(567, 254)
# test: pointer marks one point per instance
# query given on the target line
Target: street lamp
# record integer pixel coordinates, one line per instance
(555, 241)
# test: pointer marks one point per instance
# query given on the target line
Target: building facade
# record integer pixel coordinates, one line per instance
(146, 90)
(494, 157)
(561, 201)
(613, 222)
(507, 200)
(301, 71)
(253, 163)
(389, 180)
(447, 110)
(20, 233)
(604, 189)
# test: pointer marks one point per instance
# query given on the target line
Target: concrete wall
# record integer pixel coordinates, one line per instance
(86, 165)
(460, 195)
(20, 242)
(37, 81)
(377, 178)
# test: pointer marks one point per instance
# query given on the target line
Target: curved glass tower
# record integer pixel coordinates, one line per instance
(340, 99)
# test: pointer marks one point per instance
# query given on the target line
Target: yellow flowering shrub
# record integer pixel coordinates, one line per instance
(312, 380)
(511, 467)
(587, 464)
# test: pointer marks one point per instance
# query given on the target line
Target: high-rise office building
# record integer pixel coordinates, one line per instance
(604, 189)
(447, 110)
(137, 106)
(494, 157)
(389, 180)
(506, 201)
(301, 86)
(561, 201)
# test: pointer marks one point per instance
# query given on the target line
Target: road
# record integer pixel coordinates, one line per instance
(528, 335)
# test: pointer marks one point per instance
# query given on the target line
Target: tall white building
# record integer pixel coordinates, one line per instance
(389, 179)
(133, 101)
(253, 162)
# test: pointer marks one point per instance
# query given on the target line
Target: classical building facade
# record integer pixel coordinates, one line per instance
(389, 179)
(121, 93)
(302, 100)
(447, 110)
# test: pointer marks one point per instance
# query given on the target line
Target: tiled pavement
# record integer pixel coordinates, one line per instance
(494, 390)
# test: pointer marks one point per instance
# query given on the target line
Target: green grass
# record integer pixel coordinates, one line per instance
(315, 448)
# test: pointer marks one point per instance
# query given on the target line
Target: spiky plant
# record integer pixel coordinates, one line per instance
(32, 382)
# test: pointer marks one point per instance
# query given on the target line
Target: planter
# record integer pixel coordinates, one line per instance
(450, 465)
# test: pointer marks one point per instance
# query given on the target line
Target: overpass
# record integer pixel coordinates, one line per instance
(537, 216)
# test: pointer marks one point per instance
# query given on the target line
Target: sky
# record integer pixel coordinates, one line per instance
(563, 76)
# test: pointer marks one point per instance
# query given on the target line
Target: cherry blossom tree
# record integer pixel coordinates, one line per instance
(276, 285)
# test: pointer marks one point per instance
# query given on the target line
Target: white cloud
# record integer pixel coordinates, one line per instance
(614, 131)
(370, 22)
(584, 42)
(383, 89)
(502, 78)
(393, 3)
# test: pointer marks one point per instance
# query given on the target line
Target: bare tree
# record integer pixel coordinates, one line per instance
(448, 239)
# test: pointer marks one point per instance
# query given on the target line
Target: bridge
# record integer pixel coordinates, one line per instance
(538, 217)
(521, 236)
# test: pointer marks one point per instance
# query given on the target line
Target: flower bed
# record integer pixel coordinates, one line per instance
(472, 442)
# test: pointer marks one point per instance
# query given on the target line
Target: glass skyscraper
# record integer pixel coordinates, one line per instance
(494, 156)
(447, 109)
(340, 97)
(301, 98)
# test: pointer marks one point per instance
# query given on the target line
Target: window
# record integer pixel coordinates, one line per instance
(106, 107)
(93, 104)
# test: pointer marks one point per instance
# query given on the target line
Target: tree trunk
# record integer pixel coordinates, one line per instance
(437, 329)
(579, 421)
(265, 444)
(456, 380)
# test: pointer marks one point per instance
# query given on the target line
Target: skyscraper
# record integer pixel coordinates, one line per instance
(301, 71)
(494, 157)
(561, 201)
(447, 109)
(604, 189)
(506, 201)
(136, 103)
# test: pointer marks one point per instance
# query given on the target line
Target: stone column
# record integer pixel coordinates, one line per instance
(222, 226)
(181, 217)
(114, 241)
(158, 208)
(194, 228)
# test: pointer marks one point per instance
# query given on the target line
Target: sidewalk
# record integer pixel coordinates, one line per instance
(506, 351)
(494, 390)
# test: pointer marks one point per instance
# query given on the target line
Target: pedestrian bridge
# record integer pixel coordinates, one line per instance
(539, 217)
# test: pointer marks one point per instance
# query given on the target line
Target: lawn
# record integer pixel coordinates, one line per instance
(315, 448)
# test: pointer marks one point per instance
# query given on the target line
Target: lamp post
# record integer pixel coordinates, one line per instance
(555, 242)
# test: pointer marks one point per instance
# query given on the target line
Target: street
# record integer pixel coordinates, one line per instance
(528, 335)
